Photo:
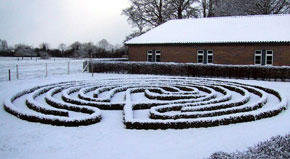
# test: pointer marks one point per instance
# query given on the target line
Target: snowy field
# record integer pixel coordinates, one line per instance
(36, 68)
(109, 138)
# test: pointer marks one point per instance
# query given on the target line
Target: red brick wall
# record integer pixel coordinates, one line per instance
(241, 54)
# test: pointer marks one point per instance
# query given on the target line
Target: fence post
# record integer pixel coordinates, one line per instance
(92, 68)
(17, 73)
(88, 66)
(9, 74)
(68, 68)
(46, 70)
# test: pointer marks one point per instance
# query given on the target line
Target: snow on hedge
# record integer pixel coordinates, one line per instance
(274, 148)
(172, 102)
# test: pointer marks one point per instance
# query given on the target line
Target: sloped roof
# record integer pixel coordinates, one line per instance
(240, 29)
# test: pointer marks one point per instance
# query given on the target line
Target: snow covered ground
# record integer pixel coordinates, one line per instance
(109, 138)
(36, 68)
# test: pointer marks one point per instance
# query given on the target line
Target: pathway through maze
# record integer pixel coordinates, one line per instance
(169, 102)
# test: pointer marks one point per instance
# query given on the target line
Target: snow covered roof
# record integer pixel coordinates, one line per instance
(240, 29)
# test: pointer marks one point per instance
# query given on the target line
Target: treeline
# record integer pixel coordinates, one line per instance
(147, 14)
(102, 49)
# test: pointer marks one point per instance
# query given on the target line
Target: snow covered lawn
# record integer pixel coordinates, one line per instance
(110, 139)
(35, 68)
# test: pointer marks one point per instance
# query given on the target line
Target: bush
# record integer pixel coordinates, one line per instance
(276, 147)
(194, 70)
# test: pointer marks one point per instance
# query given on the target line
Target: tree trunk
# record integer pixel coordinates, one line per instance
(179, 12)
(160, 17)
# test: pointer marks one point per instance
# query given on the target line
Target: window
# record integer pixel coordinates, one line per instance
(200, 54)
(210, 56)
(153, 55)
(157, 55)
(150, 55)
(258, 57)
(269, 57)
(205, 56)
(264, 57)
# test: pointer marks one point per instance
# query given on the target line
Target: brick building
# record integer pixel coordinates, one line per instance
(245, 40)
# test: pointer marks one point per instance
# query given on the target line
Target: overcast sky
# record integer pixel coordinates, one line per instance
(62, 21)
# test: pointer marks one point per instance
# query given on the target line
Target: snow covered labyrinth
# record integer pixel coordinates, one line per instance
(148, 102)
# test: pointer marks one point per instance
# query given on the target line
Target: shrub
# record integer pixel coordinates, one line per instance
(276, 147)
(190, 69)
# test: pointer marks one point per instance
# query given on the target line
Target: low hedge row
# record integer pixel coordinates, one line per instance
(178, 106)
(159, 96)
(220, 108)
(46, 119)
(214, 118)
(62, 105)
(175, 124)
(52, 121)
(34, 105)
(101, 105)
(195, 70)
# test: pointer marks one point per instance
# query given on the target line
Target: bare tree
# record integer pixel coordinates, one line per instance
(147, 14)
(90, 48)
(104, 45)
(44, 46)
(62, 47)
(3, 45)
(181, 9)
(268, 7)
(76, 46)
(22, 46)
(133, 35)
(135, 18)
(24, 50)
(251, 7)
(208, 7)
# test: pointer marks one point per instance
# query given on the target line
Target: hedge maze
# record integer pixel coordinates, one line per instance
(167, 102)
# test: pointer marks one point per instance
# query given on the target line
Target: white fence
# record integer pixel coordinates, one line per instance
(28, 68)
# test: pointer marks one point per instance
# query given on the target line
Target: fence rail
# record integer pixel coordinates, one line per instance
(14, 69)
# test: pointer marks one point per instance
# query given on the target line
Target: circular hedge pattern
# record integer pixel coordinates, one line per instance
(169, 102)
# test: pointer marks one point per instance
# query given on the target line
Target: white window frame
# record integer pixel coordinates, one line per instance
(267, 54)
(208, 54)
(200, 53)
(149, 52)
(258, 55)
(157, 52)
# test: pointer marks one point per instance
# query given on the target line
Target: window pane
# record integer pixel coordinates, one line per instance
(258, 57)
(269, 57)
(258, 60)
(269, 60)
(157, 58)
(258, 52)
(149, 57)
(269, 52)
(149, 51)
(210, 59)
(209, 56)
(200, 51)
(200, 59)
